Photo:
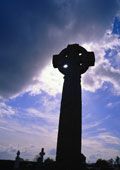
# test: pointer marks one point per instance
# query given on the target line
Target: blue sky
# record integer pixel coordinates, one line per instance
(30, 88)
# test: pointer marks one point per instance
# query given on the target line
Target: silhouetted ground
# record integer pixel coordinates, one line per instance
(29, 165)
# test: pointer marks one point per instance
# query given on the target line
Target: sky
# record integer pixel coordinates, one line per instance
(30, 88)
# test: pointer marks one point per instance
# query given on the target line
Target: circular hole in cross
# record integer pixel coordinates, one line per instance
(80, 54)
(65, 66)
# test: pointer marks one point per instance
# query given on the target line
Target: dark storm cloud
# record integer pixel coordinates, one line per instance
(23, 39)
(30, 30)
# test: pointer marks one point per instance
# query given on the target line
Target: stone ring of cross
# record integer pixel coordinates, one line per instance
(72, 58)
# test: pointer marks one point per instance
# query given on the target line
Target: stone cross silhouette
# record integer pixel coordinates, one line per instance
(72, 62)
(18, 153)
(42, 153)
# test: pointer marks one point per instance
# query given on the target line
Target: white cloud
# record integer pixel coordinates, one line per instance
(50, 118)
(9, 151)
(98, 142)
(6, 110)
(113, 104)
(20, 135)
(93, 125)
(109, 138)
(31, 45)
(23, 136)
(109, 104)
(49, 111)
(51, 80)
(101, 146)
(103, 71)
(117, 59)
